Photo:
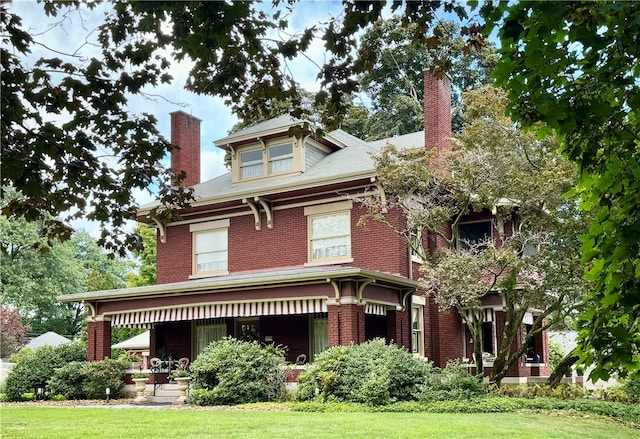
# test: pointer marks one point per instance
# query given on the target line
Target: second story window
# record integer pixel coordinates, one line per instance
(281, 158)
(210, 248)
(474, 235)
(329, 232)
(251, 164)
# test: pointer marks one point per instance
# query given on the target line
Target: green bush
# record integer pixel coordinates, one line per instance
(373, 373)
(451, 382)
(103, 374)
(69, 381)
(563, 391)
(34, 367)
(231, 371)
(556, 354)
(632, 389)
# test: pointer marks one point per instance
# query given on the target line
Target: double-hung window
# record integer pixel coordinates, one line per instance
(329, 232)
(251, 164)
(280, 158)
(210, 248)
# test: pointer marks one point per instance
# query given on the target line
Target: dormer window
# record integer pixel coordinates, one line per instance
(281, 158)
(251, 164)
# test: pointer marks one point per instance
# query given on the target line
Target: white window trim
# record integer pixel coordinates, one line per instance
(253, 163)
(208, 226)
(279, 158)
(296, 157)
(419, 305)
(322, 210)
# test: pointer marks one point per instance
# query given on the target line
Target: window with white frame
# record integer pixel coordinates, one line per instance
(251, 164)
(474, 235)
(210, 247)
(417, 329)
(329, 232)
(281, 158)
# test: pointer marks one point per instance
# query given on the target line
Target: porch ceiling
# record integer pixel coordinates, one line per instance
(265, 279)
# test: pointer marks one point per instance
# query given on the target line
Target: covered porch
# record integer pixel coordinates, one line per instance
(304, 309)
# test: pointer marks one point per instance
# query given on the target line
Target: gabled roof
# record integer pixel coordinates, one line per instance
(351, 163)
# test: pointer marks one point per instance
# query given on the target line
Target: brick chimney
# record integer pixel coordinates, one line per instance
(437, 112)
(185, 133)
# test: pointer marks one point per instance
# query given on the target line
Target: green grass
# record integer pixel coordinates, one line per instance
(139, 423)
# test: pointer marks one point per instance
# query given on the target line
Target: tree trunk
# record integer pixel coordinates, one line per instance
(474, 318)
(562, 367)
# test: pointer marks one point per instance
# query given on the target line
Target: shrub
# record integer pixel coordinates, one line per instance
(373, 373)
(556, 354)
(451, 382)
(34, 367)
(103, 374)
(69, 381)
(563, 391)
(231, 371)
(632, 389)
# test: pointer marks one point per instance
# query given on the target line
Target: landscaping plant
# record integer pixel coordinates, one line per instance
(34, 367)
(373, 373)
(231, 371)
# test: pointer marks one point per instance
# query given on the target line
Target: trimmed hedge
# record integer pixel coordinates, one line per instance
(629, 413)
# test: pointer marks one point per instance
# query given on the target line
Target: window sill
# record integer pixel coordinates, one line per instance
(329, 262)
(212, 274)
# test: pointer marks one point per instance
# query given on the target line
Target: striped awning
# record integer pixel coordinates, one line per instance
(143, 319)
(375, 309)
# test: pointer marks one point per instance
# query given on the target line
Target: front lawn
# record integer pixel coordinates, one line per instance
(118, 422)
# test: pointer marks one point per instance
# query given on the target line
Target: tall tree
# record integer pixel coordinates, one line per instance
(394, 85)
(574, 67)
(496, 167)
(146, 258)
(70, 144)
(32, 279)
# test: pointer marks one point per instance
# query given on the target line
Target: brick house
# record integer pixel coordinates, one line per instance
(272, 251)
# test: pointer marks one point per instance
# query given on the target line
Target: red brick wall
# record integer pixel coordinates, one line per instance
(375, 247)
(399, 328)
(346, 324)
(99, 340)
(437, 111)
(443, 334)
(174, 261)
(283, 246)
(185, 133)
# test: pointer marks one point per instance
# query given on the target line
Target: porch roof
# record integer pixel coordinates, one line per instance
(271, 278)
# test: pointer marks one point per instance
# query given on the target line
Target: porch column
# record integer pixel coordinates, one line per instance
(346, 324)
(399, 328)
(99, 338)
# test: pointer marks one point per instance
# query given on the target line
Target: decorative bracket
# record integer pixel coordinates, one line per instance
(383, 196)
(267, 209)
(162, 229)
(256, 212)
(361, 288)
